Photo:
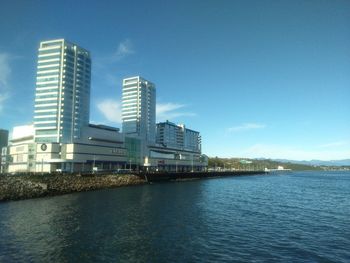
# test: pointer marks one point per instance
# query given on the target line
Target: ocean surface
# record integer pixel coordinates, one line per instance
(289, 217)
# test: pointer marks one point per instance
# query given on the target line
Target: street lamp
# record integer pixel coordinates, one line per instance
(177, 157)
(192, 163)
(229, 165)
(94, 163)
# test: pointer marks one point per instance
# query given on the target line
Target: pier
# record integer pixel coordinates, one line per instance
(174, 176)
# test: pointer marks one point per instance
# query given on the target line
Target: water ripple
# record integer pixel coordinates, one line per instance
(297, 217)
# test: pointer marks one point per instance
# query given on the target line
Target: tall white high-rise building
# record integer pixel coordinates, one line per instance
(139, 108)
(62, 97)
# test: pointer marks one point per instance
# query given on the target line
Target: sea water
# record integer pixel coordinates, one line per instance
(286, 217)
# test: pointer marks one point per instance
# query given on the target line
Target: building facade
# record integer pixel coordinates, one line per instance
(178, 137)
(4, 137)
(139, 108)
(192, 139)
(21, 153)
(99, 147)
(175, 160)
(170, 135)
(62, 96)
(4, 160)
(177, 149)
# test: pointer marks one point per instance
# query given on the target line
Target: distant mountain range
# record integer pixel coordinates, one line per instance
(345, 162)
(261, 163)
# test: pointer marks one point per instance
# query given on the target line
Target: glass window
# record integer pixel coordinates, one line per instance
(45, 124)
(46, 119)
(43, 62)
(38, 96)
(52, 74)
(46, 139)
(45, 113)
(48, 107)
(45, 102)
(58, 56)
(49, 51)
(39, 91)
(51, 44)
(45, 132)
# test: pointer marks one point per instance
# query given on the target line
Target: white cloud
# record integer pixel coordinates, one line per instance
(166, 107)
(170, 111)
(111, 110)
(5, 72)
(293, 153)
(124, 49)
(246, 127)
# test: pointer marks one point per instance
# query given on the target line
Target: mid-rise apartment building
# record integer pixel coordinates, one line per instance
(179, 137)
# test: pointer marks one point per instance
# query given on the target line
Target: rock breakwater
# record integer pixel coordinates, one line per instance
(24, 187)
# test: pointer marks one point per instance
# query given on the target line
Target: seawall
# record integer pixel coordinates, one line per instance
(33, 186)
(176, 176)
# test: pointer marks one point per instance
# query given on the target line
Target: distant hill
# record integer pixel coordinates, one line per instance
(345, 162)
(244, 163)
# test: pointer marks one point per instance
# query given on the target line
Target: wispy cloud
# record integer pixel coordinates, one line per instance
(125, 48)
(5, 72)
(168, 107)
(334, 144)
(111, 110)
(246, 127)
(170, 111)
(104, 62)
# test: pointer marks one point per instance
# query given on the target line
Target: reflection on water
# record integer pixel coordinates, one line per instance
(297, 216)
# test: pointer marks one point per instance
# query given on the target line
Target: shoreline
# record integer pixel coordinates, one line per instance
(14, 188)
(21, 187)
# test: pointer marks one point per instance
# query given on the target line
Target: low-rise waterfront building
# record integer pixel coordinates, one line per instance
(21, 151)
(100, 147)
(172, 159)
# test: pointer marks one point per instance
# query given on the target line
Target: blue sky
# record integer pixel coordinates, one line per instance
(256, 78)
